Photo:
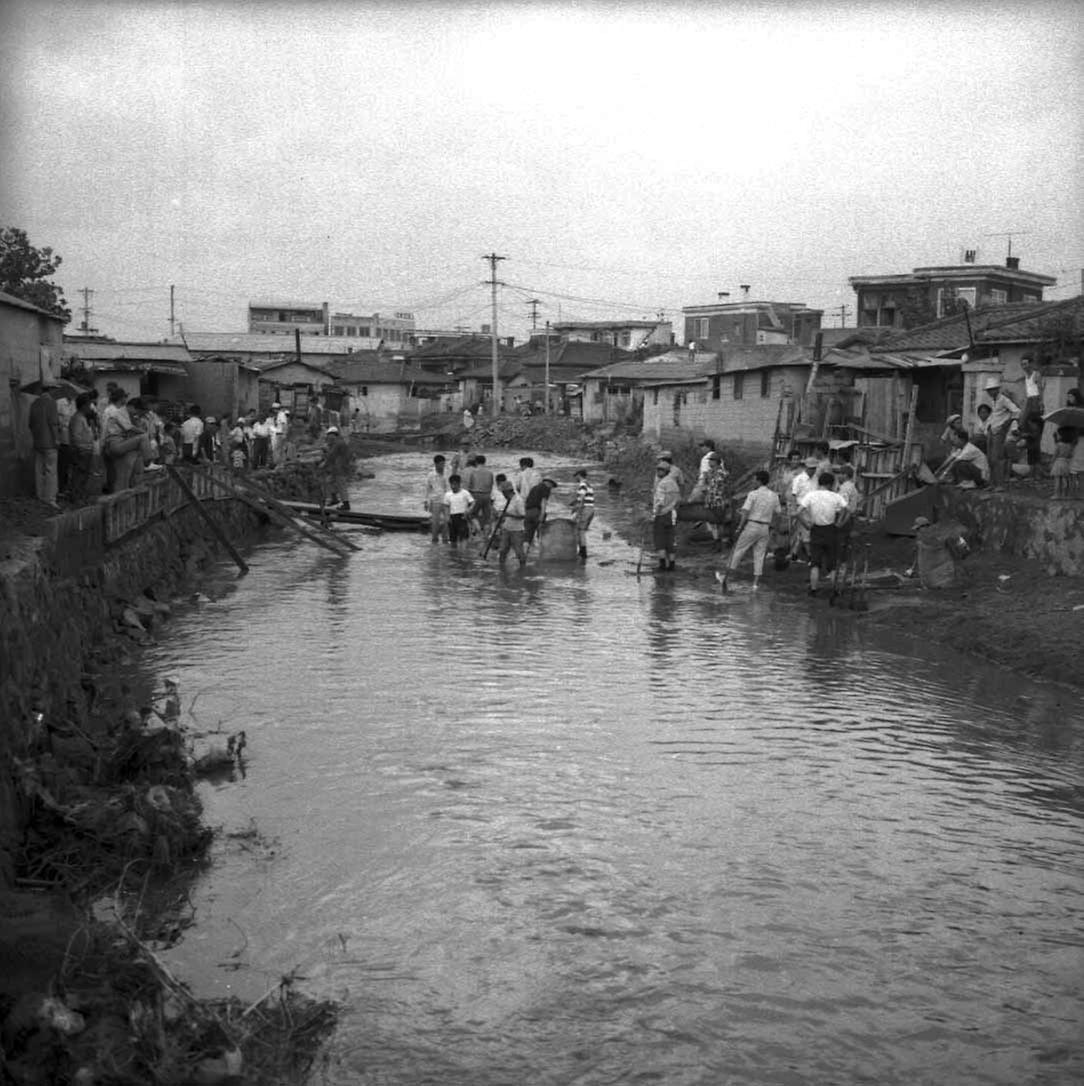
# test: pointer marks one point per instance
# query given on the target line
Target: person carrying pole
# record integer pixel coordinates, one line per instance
(511, 524)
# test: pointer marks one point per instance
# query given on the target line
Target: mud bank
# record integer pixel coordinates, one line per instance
(1019, 601)
(101, 827)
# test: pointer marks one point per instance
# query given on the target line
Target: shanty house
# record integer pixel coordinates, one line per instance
(386, 393)
(223, 386)
(141, 369)
(31, 347)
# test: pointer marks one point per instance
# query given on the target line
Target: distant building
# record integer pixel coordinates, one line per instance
(284, 318)
(317, 319)
(749, 323)
(629, 335)
(397, 330)
(927, 294)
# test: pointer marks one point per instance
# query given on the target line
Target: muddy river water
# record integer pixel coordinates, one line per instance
(567, 826)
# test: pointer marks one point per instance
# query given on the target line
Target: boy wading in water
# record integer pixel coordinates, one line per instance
(459, 503)
(583, 509)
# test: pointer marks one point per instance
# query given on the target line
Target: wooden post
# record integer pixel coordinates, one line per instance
(910, 427)
(220, 535)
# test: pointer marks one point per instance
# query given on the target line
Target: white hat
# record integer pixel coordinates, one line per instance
(333, 429)
(994, 382)
(276, 404)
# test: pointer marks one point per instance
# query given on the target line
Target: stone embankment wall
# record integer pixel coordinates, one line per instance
(58, 632)
(1049, 532)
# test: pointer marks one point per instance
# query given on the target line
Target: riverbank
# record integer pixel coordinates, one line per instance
(1005, 609)
(101, 828)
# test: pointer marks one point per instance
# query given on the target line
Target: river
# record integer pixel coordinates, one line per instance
(564, 825)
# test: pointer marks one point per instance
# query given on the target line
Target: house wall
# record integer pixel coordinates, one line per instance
(747, 419)
(742, 326)
(31, 345)
(609, 401)
(219, 387)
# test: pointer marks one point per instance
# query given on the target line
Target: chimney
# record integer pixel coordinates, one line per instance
(969, 256)
(724, 294)
(744, 291)
(1012, 262)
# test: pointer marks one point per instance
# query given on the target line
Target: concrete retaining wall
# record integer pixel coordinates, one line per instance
(57, 631)
(1050, 532)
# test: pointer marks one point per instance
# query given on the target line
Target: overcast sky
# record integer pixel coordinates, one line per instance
(624, 158)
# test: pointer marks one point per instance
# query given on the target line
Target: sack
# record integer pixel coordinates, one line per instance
(116, 446)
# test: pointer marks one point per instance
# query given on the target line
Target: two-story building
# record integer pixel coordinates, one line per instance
(925, 294)
(748, 323)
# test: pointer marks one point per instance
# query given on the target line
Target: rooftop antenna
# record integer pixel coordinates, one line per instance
(1010, 234)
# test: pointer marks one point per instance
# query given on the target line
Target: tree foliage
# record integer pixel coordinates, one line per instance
(25, 271)
(916, 309)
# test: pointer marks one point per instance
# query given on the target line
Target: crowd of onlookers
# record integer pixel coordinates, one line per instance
(1004, 442)
(120, 438)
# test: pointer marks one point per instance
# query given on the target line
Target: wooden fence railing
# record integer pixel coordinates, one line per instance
(80, 537)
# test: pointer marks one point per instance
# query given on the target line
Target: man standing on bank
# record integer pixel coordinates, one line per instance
(664, 503)
(821, 510)
(761, 505)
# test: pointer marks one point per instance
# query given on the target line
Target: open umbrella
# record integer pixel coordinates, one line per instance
(1066, 416)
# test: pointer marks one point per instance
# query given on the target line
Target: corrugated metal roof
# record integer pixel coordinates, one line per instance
(126, 352)
(255, 343)
(1042, 320)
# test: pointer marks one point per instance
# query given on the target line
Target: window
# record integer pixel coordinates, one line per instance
(716, 387)
(998, 297)
(337, 330)
(702, 332)
(765, 383)
(626, 338)
(363, 330)
(351, 330)
(737, 329)
(365, 390)
(655, 396)
(739, 385)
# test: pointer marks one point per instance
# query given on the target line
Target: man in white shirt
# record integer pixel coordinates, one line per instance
(967, 465)
(761, 505)
(436, 486)
(191, 432)
(801, 484)
(821, 510)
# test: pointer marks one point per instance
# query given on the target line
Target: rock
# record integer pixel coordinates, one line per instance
(130, 618)
(54, 1014)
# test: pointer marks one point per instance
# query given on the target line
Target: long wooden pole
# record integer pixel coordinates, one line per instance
(267, 505)
(220, 535)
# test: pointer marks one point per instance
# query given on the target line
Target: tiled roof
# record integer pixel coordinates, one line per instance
(464, 347)
(678, 365)
(380, 370)
(1039, 322)
(950, 333)
(507, 368)
(765, 356)
(19, 303)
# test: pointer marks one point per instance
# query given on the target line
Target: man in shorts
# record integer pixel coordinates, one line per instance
(821, 510)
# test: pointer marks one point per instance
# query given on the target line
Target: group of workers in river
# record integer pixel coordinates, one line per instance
(814, 505)
(465, 498)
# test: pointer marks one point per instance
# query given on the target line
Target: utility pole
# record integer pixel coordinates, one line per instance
(85, 327)
(843, 315)
(171, 313)
(493, 283)
(546, 401)
(534, 303)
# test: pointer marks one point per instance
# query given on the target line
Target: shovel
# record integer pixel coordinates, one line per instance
(861, 603)
(848, 603)
(833, 599)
